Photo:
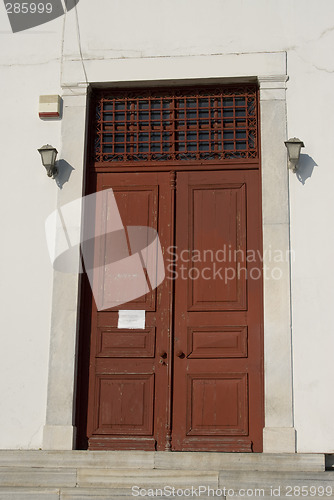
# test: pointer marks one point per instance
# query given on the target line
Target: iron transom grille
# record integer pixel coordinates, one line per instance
(165, 125)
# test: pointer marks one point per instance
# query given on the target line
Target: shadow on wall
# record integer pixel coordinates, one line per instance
(306, 166)
(64, 173)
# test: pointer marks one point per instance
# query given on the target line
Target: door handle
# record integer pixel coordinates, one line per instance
(163, 356)
(180, 355)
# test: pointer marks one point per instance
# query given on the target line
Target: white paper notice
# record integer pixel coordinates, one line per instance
(131, 319)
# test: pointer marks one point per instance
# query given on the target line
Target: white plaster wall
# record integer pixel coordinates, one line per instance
(121, 29)
(29, 66)
(311, 116)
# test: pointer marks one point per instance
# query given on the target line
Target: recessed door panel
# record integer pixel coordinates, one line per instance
(217, 342)
(217, 241)
(217, 404)
(125, 404)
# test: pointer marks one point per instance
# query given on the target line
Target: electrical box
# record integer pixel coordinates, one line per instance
(49, 106)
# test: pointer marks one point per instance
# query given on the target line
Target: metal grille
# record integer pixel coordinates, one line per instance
(160, 125)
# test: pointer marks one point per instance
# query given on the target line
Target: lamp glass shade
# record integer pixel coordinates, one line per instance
(294, 147)
(294, 150)
(49, 155)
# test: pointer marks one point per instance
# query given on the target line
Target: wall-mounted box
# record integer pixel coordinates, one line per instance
(49, 106)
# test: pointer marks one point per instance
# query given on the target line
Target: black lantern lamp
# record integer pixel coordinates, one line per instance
(49, 155)
(294, 146)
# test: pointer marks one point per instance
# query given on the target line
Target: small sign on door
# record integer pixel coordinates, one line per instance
(131, 319)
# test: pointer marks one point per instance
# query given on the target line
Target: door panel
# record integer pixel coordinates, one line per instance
(198, 361)
(217, 342)
(217, 229)
(125, 404)
(217, 395)
(128, 380)
(209, 415)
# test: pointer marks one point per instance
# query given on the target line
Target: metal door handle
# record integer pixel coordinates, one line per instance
(163, 356)
(180, 355)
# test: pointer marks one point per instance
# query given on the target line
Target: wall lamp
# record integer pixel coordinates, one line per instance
(294, 146)
(49, 155)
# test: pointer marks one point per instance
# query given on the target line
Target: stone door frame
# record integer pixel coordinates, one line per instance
(269, 70)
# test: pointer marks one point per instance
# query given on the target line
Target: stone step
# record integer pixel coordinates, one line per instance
(70, 494)
(145, 478)
(162, 460)
(240, 461)
(104, 478)
(82, 475)
(251, 476)
(125, 479)
(19, 493)
(78, 458)
(40, 477)
(30, 494)
(287, 484)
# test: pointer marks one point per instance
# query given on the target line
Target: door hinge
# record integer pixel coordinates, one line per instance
(172, 179)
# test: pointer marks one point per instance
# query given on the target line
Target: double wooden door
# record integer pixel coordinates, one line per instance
(190, 377)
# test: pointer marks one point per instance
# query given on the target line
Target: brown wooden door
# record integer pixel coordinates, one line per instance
(218, 395)
(203, 330)
(128, 401)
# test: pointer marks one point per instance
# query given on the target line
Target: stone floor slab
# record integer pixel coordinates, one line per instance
(145, 479)
(29, 494)
(78, 458)
(240, 461)
(32, 477)
(285, 483)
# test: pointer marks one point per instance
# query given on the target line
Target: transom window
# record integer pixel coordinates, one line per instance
(187, 124)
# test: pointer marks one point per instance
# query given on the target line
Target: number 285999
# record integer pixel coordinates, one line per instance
(29, 8)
